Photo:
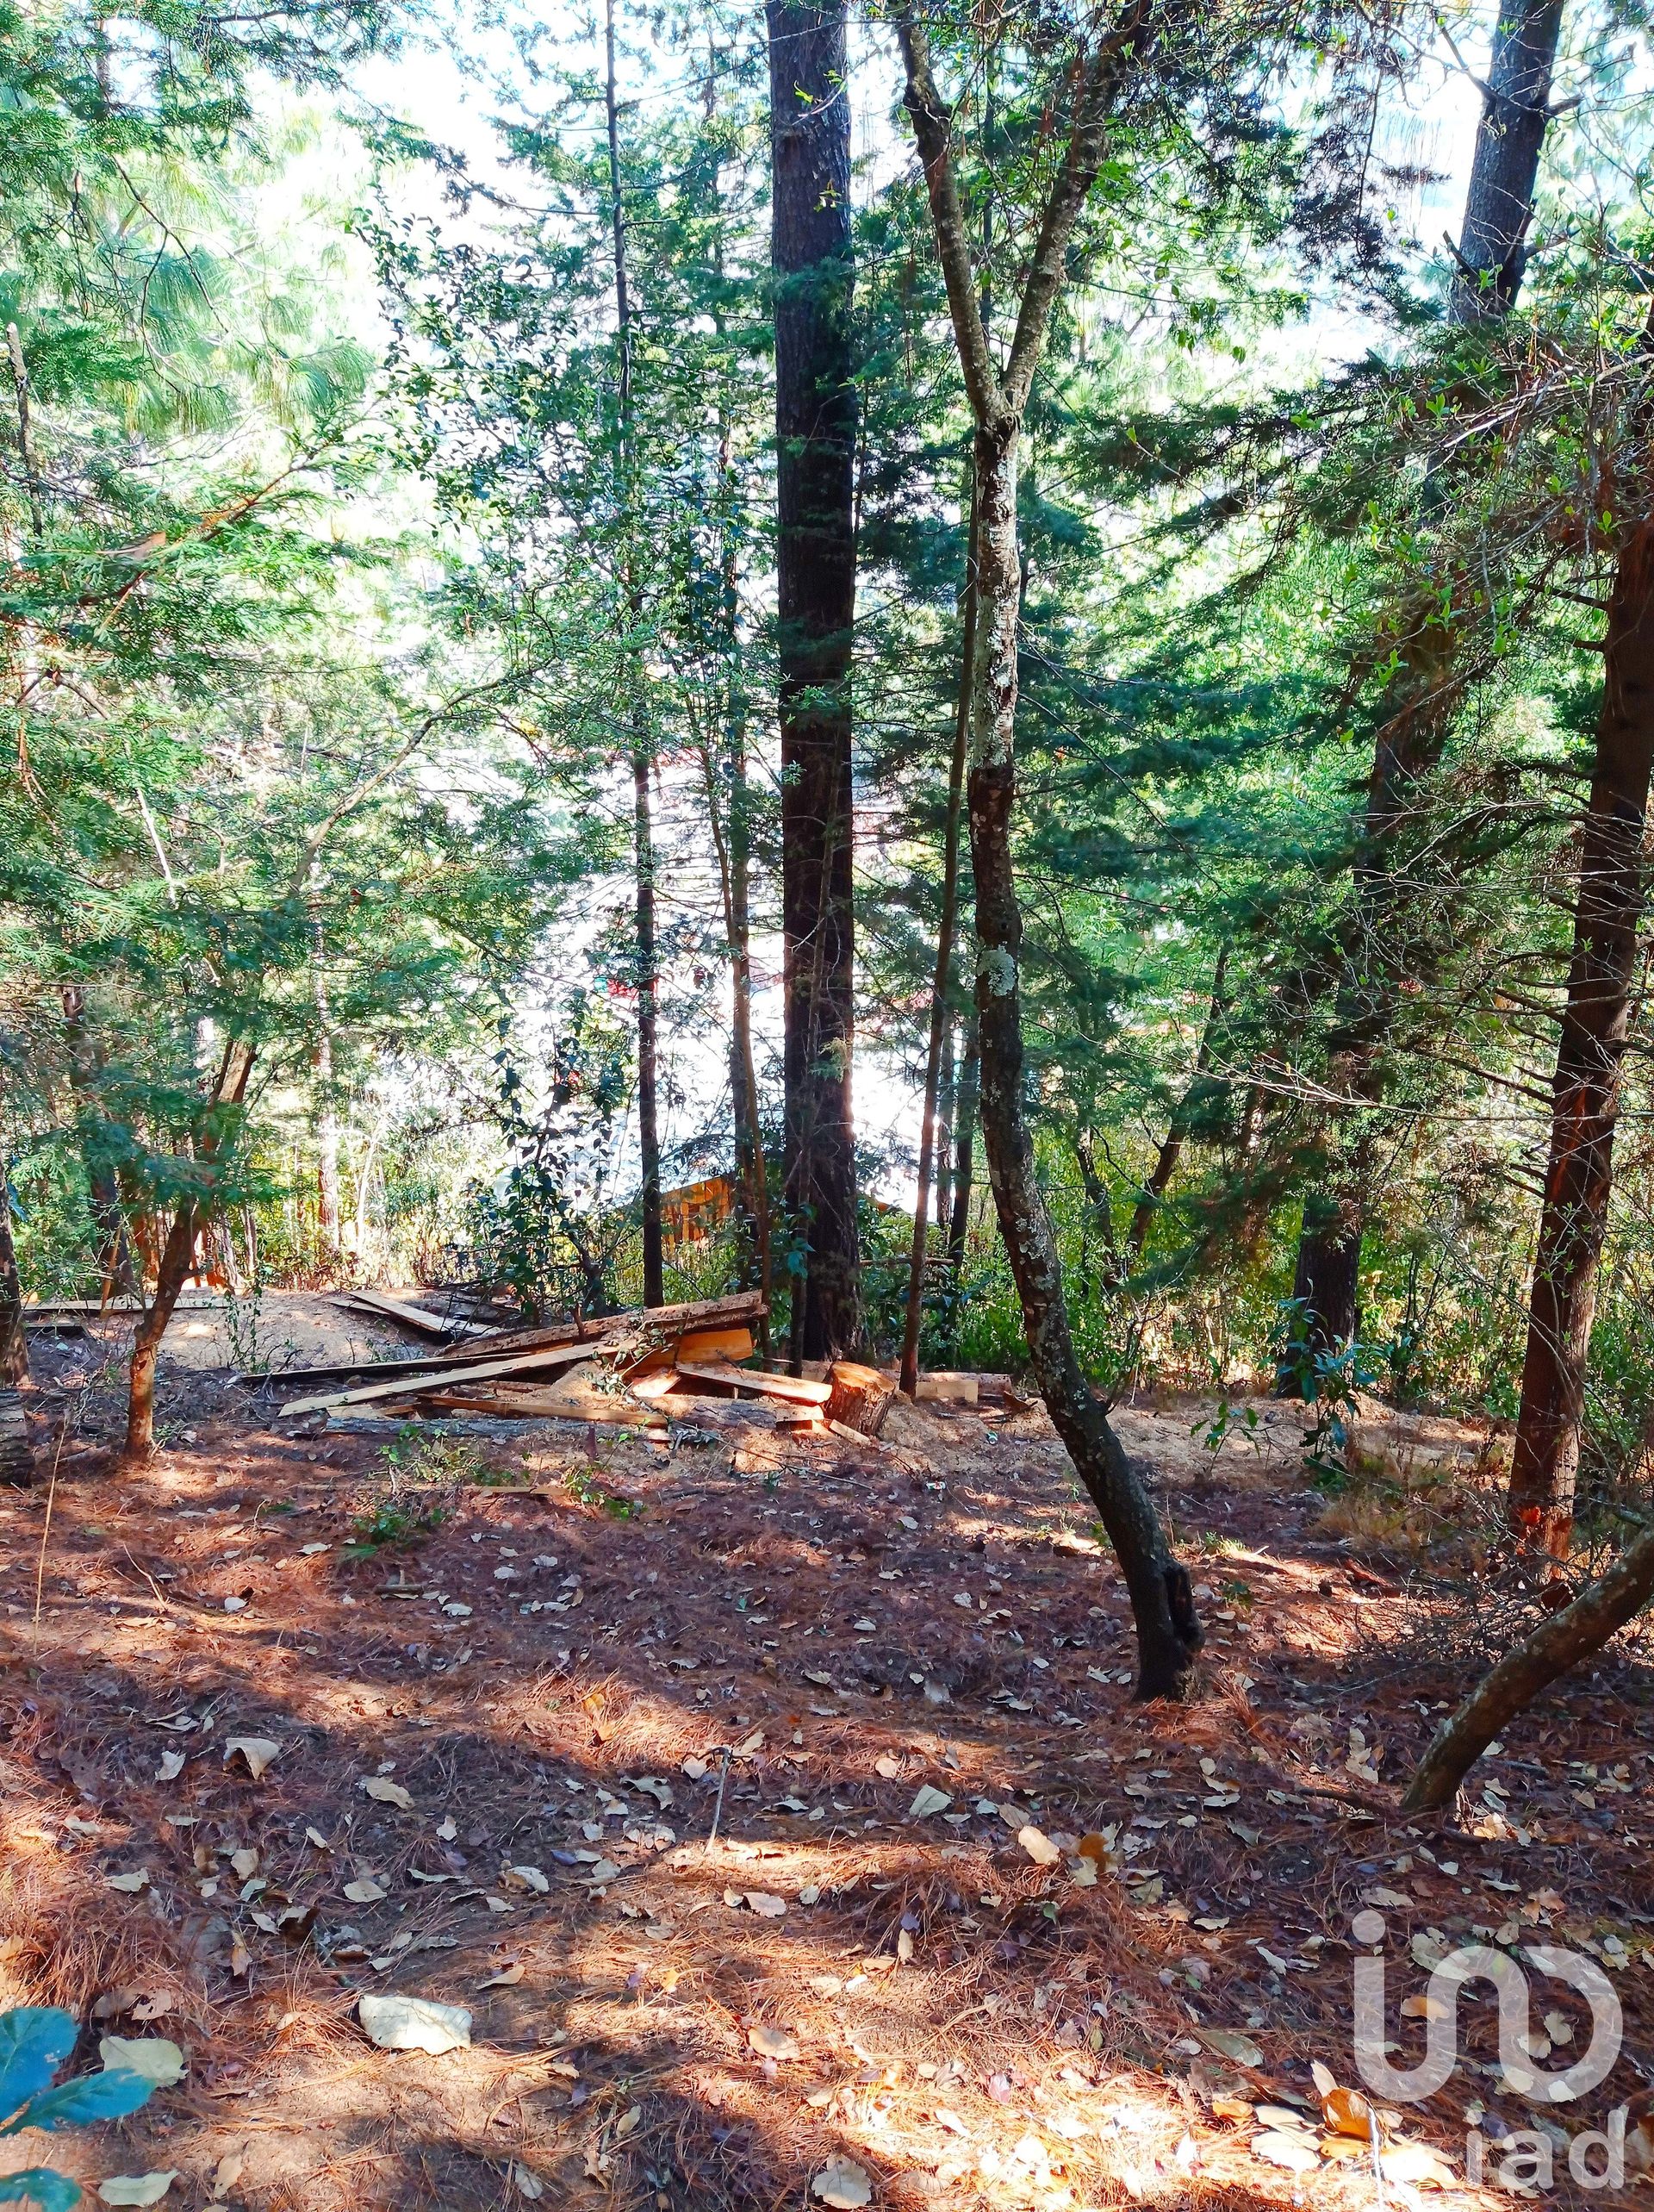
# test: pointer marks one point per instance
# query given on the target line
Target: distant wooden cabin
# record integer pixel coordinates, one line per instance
(696, 1211)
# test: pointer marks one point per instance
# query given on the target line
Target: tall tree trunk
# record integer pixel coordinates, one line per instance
(965, 1106)
(649, 1129)
(1168, 1633)
(940, 1014)
(116, 1274)
(322, 1064)
(647, 977)
(1586, 1096)
(751, 1169)
(1182, 1120)
(815, 433)
(14, 1340)
(230, 1090)
(1418, 708)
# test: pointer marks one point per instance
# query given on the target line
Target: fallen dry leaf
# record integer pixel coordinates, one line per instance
(843, 2184)
(152, 2057)
(258, 1752)
(774, 2042)
(396, 2022)
(929, 1800)
(386, 1793)
(137, 2188)
(1038, 1846)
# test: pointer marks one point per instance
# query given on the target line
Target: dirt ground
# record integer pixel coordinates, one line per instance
(741, 1802)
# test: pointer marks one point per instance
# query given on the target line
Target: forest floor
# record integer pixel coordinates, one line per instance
(898, 1685)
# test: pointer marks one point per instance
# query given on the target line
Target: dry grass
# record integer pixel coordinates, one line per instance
(972, 2028)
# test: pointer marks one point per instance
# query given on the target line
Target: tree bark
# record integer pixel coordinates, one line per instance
(115, 1272)
(1168, 1632)
(965, 1108)
(14, 1339)
(1596, 1020)
(815, 433)
(1182, 1120)
(1417, 711)
(229, 1092)
(647, 977)
(1601, 1610)
(939, 1008)
(328, 1213)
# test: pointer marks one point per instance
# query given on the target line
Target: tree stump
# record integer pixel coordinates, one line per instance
(16, 1457)
(860, 1397)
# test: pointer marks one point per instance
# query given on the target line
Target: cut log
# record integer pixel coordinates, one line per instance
(550, 1355)
(525, 1403)
(16, 1457)
(860, 1397)
(797, 1390)
(945, 1389)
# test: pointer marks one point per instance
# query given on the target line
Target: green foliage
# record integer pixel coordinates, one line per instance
(35, 2041)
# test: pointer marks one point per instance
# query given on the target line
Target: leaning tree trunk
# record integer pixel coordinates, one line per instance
(1601, 1610)
(815, 433)
(1586, 1092)
(1417, 712)
(965, 1105)
(1168, 1633)
(16, 1459)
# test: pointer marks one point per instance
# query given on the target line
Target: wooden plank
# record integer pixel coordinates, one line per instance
(798, 1390)
(417, 1363)
(533, 1406)
(551, 1355)
(414, 1317)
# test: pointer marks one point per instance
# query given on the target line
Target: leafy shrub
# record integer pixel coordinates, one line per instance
(35, 2041)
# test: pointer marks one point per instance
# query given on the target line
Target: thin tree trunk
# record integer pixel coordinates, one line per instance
(1099, 1205)
(1177, 1131)
(321, 1063)
(1168, 1633)
(649, 1132)
(647, 977)
(178, 1252)
(751, 1167)
(815, 431)
(1418, 708)
(939, 1009)
(1579, 1178)
(1601, 1610)
(13, 1338)
(964, 1107)
(116, 1275)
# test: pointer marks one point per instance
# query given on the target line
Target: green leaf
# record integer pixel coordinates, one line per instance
(52, 2192)
(34, 2040)
(109, 2096)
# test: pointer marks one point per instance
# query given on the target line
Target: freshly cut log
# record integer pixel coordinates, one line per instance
(860, 1397)
(414, 1317)
(797, 1390)
(550, 1355)
(16, 1458)
(946, 1389)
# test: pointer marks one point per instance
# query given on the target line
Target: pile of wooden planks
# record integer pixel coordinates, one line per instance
(636, 1370)
(695, 1364)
